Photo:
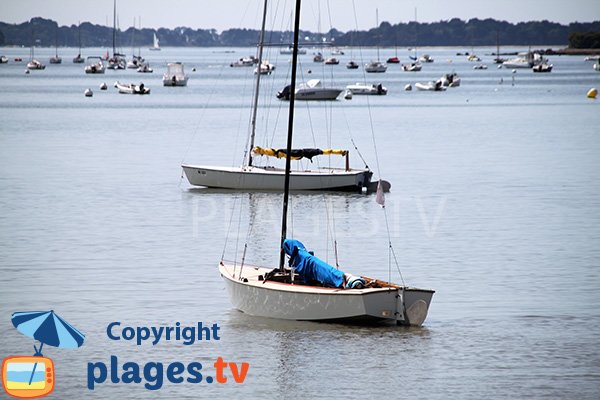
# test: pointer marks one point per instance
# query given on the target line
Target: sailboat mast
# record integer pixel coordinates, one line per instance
(256, 90)
(288, 158)
(114, 25)
(377, 27)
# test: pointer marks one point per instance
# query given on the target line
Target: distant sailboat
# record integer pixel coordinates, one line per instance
(156, 45)
(376, 66)
(78, 59)
(56, 59)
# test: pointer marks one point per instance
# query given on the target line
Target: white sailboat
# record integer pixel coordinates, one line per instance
(310, 289)
(253, 177)
(376, 65)
(155, 44)
(117, 61)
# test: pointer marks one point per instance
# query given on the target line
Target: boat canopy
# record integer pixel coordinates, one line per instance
(297, 154)
(311, 268)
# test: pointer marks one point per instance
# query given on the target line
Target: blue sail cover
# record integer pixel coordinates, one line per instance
(309, 267)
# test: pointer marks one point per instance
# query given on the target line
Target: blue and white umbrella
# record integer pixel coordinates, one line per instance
(48, 328)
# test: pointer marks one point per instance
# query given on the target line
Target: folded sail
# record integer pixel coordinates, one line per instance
(310, 268)
(297, 154)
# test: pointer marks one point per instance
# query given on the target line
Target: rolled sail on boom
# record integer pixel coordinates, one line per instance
(297, 154)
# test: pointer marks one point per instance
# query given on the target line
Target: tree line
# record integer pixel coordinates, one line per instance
(454, 32)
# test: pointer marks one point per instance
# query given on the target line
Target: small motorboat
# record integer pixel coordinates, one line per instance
(473, 58)
(311, 90)
(244, 62)
(35, 64)
(480, 66)
(450, 80)
(266, 68)
(175, 75)
(352, 65)
(426, 58)
(318, 57)
(131, 88)
(78, 59)
(365, 88)
(3, 60)
(412, 67)
(145, 68)
(95, 67)
(332, 61)
(376, 66)
(393, 60)
(431, 86)
(542, 68)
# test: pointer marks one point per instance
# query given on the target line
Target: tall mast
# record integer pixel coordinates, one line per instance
(256, 90)
(288, 158)
(114, 25)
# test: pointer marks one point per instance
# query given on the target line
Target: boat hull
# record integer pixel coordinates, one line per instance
(253, 296)
(272, 179)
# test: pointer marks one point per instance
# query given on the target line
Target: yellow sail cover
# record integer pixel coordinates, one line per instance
(297, 153)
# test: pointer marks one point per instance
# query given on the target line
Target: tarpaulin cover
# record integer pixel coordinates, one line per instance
(311, 268)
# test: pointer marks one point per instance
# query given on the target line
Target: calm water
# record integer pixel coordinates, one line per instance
(494, 204)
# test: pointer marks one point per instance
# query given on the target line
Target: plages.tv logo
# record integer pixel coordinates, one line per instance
(33, 376)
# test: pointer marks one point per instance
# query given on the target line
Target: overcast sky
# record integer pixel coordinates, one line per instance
(224, 14)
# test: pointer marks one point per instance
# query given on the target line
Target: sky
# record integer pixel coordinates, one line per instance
(344, 15)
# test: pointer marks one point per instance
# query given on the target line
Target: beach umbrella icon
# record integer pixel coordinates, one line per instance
(48, 328)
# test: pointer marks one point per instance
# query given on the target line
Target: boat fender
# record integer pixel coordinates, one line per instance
(355, 282)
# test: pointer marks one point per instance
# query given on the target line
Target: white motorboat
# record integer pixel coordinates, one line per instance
(135, 62)
(376, 66)
(35, 64)
(145, 68)
(309, 289)
(155, 44)
(367, 88)
(473, 58)
(95, 66)
(426, 58)
(352, 65)
(412, 67)
(525, 60)
(332, 61)
(311, 90)
(318, 58)
(175, 75)
(433, 86)
(544, 67)
(131, 88)
(244, 62)
(480, 66)
(450, 80)
(3, 59)
(266, 68)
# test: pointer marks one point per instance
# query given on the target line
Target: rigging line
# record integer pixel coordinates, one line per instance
(204, 108)
(235, 199)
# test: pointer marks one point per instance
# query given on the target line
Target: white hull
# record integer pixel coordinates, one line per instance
(376, 67)
(269, 178)
(366, 89)
(252, 295)
(317, 94)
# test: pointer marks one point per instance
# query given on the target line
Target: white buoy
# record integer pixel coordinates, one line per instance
(514, 71)
(26, 71)
(592, 93)
(348, 95)
(103, 86)
(88, 92)
(408, 87)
